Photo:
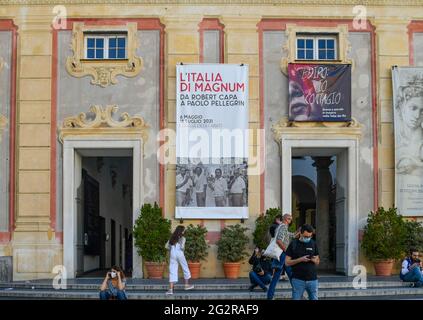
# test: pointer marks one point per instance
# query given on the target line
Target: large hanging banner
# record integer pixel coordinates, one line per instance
(319, 92)
(211, 141)
(408, 118)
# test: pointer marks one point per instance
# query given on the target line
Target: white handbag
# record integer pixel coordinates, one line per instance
(273, 250)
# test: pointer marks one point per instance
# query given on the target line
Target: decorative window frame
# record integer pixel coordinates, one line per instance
(103, 71)
(290, 47)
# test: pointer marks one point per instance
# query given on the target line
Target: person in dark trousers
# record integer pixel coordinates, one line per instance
(302, 256)
(261, 273)
(411, 269)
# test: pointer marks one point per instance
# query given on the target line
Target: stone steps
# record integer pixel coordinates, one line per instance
(337, 293)
(198, 286)
(329, 288)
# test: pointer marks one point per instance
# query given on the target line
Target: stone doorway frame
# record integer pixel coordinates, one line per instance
(101, 133)
(292, 135)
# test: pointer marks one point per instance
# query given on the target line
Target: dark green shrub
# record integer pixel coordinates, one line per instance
(384, 235)
(196, 245)
(231, 245)
(414, 236)
(151, 232)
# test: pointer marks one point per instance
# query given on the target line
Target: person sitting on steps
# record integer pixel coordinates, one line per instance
(261, 272)
(113, 286)
(411, 270)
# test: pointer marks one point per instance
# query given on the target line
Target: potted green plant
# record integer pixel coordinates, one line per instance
(261, 236)
(414, 239)
(231, 249)
(151, 232)
(195, 248)
(383, 239)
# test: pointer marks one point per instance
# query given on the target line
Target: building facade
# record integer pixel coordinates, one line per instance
(69, 69)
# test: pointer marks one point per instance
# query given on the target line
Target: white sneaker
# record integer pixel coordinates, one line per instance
(169, 292)
(189, 287)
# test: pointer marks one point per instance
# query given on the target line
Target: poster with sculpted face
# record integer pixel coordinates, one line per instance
(212, 141)
(408, 119)
(319, 92)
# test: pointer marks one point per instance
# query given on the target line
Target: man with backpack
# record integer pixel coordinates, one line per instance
(302, 256)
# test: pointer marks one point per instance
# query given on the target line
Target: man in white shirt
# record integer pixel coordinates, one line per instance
(236, 190)
(200, 186)
(411, 269)
(220, 189)
(183, 188)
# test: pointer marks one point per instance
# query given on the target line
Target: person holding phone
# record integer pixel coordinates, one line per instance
(113, 286)
(302, 256)
(411, 269)
(260, 275)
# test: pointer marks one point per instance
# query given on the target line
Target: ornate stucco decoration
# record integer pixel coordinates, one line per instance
(315, 129)
(103, 72)
(288, 49)
(102, 123)
(3, 124)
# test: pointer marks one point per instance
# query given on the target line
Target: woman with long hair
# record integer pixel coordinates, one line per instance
(176, 245)
(113, 286)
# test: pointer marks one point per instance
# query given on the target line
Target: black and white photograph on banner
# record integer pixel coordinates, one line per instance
(408, 119)
(212, 183)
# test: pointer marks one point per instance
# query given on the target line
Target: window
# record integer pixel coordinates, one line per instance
(105, 46)
(316, 47)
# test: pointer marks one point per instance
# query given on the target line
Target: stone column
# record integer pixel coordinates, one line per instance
(242, 46)
(35, 249)
(324, 182)
(182, 45)
(34, 102)
(392, 49)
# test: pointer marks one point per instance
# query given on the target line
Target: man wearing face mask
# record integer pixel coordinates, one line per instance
(113, 286)
(303, 257)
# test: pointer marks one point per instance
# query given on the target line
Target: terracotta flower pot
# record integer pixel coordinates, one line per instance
(155, 270)
(383, 267)
(194, 268)
(231, 269)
